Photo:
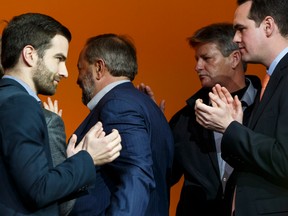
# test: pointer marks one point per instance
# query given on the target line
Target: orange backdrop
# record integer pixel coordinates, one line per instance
(159, 29)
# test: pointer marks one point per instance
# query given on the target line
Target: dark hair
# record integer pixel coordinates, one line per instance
(32, 29)
(221, 34)
(274, 8)
(117, 51)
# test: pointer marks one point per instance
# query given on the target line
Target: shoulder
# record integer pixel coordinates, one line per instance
(52, 118)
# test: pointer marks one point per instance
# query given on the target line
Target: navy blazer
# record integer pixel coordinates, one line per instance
(260, 152)
(136, 183)
(29, 183)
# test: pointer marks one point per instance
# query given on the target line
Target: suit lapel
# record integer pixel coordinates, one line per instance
(85, 126)
(94, 115)
(279, 72)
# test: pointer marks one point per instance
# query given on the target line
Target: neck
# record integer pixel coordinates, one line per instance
(22, 76)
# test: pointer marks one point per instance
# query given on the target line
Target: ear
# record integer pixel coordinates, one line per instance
(29, 55)
(269, 25)
(100, 68)
(236, 58)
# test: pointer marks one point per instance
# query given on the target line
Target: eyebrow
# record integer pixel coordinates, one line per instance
(63, 57)
(237, 26)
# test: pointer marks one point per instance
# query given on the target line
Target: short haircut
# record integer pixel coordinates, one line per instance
(117, 51)
(277, 9)
(32, 29)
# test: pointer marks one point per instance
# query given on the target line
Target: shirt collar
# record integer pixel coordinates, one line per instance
(276, 61)
(94, 101)
(249, 94)
(27, 87)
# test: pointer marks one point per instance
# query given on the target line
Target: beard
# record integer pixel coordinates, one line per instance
(88, 86)
(44, 79)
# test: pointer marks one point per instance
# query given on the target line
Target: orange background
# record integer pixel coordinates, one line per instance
(159, 29)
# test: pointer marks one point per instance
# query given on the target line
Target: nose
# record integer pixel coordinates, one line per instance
(63, 71)
(199, 65)
(237, 37)
(78, 81)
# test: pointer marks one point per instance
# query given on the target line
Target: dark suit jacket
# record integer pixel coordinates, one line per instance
(57, 142)
(136, 183)
(29, 183)
(196, 159)
(260, 152)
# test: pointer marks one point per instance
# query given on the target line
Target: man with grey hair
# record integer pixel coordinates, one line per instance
(138, 182)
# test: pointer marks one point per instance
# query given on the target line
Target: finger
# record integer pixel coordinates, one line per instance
(217, 90)
(95, 130)
(221, 95)
(71, 145)
(115, 152)
(102, 134)
(117, 148)
(99, 132)
(114, 136)
(198, 104)
(45, 105)
(60, 112)
(162, 105)
(211, 95)
(81, 145)
(72, 140)
(50, 103)
(238, 104)
(227, 95)
(55, 105)
(141, 87)
(138, 87)
(215, 100)
(199, 119)
(198, 101)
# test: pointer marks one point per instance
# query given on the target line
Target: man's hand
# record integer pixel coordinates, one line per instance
(223, 111)
(233, 104)
(52, 106)
(103, 149)
(148, 91)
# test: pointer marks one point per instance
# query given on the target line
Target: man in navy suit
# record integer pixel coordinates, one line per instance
(258, 152)
(137, 183)
(34, 50)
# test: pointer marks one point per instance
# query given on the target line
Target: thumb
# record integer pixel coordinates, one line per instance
(72, 141)
(71, 146)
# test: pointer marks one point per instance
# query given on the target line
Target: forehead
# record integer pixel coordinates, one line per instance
(82, 62)
(205, 48)
(81, 57)
(59, 45)
(241, 13)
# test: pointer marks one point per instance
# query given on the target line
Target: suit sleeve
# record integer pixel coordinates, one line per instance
(26, 153)
(177, 169)
(248, 150)
(130, 175)
(264, 148)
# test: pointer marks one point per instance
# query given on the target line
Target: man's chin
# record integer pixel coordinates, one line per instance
(46, 92)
